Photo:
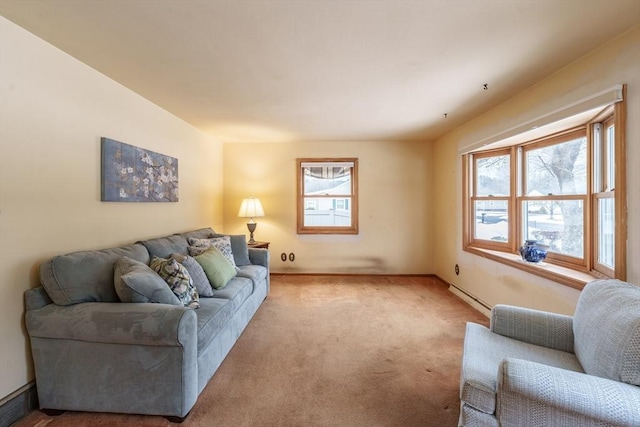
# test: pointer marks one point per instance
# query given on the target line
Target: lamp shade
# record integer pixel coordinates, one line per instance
(251, 208)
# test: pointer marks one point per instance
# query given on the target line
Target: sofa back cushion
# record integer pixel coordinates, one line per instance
(606, 328)
(202, 233)
(163, 247)
(86, 276)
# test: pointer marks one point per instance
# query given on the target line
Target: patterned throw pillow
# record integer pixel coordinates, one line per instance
(178, 279)
(238, 247)
(222, 243)
(197, 250)
(197, 274)
(198, 246)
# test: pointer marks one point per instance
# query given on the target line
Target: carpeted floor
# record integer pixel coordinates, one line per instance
(331, 351)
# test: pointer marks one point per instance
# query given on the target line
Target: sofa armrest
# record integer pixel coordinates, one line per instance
(114, 323)
(531, 394)
(259, 256)
(541, 328)
(36, 298)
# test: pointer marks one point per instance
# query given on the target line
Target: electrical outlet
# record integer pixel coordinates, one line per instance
(283, 257)
(457, 269)
(292, 257)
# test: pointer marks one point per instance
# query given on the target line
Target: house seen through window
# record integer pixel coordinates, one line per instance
(327, 196)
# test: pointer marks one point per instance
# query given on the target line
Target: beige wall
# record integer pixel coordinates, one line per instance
(616, 62)
(395, 196)
(53, 111)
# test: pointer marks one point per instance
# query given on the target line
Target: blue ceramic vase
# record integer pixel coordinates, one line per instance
(531, 251)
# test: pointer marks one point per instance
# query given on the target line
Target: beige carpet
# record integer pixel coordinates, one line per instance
(332, 351)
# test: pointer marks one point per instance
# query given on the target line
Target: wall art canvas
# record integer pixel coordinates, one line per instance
(133, 174)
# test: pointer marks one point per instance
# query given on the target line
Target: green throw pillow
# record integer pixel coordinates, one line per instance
(217, 268)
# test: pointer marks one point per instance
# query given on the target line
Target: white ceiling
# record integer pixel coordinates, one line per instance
(322, 70)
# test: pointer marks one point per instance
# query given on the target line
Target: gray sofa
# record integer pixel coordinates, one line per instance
(534, 368)
(94, 353)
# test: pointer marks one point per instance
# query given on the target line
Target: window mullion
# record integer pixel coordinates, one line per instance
(514, 211)
(620, 189)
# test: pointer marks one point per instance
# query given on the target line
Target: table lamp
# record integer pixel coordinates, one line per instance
(251, 208)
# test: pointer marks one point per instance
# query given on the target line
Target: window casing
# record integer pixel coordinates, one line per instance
(563, 189)
(327, 196)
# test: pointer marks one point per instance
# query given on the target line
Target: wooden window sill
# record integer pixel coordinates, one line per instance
(566, 276)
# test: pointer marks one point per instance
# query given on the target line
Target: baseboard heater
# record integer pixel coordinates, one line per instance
(473, 297)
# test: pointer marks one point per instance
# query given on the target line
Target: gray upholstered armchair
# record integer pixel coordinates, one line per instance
(534, 368)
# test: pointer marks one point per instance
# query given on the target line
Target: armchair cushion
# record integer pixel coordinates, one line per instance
(543, 328)
(534, 394)
(483, 353)
(606, 327)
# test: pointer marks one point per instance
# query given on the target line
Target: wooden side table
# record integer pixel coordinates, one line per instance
(256, 244)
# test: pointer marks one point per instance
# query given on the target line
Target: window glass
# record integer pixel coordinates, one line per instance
(610, 150)
(557, 169)
(606, 232)
(327, 180)
(492, 176)
(491, 220)
(557, 223)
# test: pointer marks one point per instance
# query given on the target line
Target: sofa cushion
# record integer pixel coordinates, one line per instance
(483, 352)
(178, 279)
(163, 247)
(239, 248)
(197, 274)
(606, 328)
(202, 233)
(256, 273)
(138, 283)
(86, 276)
(217, 268)
(237, 291)
(213, 316)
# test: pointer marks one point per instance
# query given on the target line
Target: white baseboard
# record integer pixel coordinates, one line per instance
(471, 300)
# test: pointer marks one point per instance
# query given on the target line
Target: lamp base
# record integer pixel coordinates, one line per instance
(251, 225)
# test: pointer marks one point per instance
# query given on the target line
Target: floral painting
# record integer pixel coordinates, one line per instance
(133, 174)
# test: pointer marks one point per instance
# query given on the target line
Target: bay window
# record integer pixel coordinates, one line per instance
(564, 190)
